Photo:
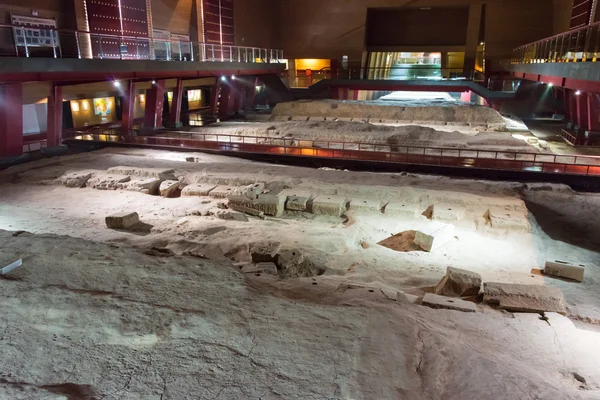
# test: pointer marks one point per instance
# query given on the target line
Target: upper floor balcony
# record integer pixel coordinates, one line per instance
(44, 53)
(572, 55)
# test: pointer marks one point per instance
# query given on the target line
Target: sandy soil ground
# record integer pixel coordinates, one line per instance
(91, 315)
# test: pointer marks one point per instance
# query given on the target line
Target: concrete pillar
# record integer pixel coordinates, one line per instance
(593, 101)
(128, 107)
(11, 120)
(55, 117)
(581, 103)
(175, 115)
(473, 27)
(155, 97)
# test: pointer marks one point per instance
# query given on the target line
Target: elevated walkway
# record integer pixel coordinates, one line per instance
(570, 60)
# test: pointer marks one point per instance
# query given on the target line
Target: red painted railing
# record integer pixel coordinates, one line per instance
(402, 154)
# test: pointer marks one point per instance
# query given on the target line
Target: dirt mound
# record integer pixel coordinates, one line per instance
(390, 110)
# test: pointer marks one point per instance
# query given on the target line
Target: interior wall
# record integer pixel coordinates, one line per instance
(332, 28)
(174, 16)
(257, 23)
(511, 23)
(562, 15)
(445, 26)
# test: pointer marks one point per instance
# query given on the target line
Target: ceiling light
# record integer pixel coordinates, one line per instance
(223, 78)
(117, 84)
(577, 93)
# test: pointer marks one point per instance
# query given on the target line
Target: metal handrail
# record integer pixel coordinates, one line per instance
(197, 51)
(570, 32)
(577, 45)
(426, 155)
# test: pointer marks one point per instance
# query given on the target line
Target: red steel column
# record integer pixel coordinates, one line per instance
(154, 105)
(175, 115)
(335, 93)
(572, 107)
(128, 108)
(581, 102)
(11, 120)
(226, 102)
(214, 98)
(593, 102)
(250, 95)
(240, 95)
(55, 117)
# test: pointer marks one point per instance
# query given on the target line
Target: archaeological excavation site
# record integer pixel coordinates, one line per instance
(300, 200)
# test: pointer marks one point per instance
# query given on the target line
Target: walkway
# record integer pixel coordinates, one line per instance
(561, 164)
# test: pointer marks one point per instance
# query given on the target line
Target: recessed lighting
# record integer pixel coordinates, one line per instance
(154, 82)
(577, 93)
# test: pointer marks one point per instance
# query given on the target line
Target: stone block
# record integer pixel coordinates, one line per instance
(147, 186)
(198, 189)
(158, 173)
(247, 210)
(75, 179)
(564, 269)
(524, 298)
(261, 268)
(221, 191)
(300, 118)
(448, 212)
(459, 282)
(503, 219)
(406, 297)
(450, 303)
(231, 216)
(434, 236)
(365, 205)
(272, 203)
(265, 252)
(108, 182)
(252, 191)
(289, 258)
(404, 210)
(298, 201)
(329, 205)
(168, 188)
(122, 220)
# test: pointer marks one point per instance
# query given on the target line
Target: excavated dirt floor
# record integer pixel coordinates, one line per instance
(96, 313)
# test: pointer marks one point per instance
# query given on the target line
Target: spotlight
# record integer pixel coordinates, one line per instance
(233, 77)
(258, 88)
(117, 84)
(153, 82)
(223, 78)
(577, 93)
(550, 84)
